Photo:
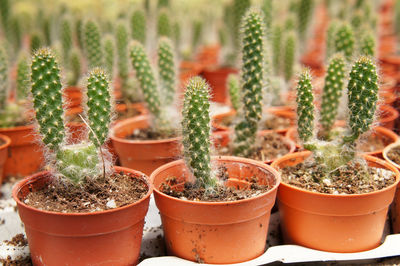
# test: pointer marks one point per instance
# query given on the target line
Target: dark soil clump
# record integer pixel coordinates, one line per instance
(353, 178)
(17, 241)
(117, 190)
(149, 134)
(18, 262)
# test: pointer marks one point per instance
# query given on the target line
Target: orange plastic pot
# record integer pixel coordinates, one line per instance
(217, 232)
(143, 155)
(395, 207)
(3, 154)
(25, 155)
(387, 116)
(111, 237)
(334, 223)
(217, 80)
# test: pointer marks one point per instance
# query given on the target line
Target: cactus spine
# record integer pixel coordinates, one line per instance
(289, 55)
(4, 83)
(234, 90)
(332, 91)
(344, 41)
(253, 79)
(363, 95)
(138, 26)
(92, 45)
(305, 107)
(196, 132)
(166, 67)
(109, 55)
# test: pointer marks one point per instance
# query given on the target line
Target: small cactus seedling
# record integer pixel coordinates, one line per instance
(252, 77)
(234, 90)
(73, 162)
(109, 55)
(167, 69)
(344, 41)
(92, 43)
(305, 107)
(332, 92)
(289, 56)
(138, 26)
(196, 132)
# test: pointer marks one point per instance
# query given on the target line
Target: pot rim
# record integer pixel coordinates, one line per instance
(17, 128)
(392, 113)
(7, 141)
(124, 122)
(27, 180)
(387, 149)
(260, 164)
(367, 157)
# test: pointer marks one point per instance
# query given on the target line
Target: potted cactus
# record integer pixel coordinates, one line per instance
(25, 156)
(201, 221)
(152, 136)
(74, 212)
(331, 198)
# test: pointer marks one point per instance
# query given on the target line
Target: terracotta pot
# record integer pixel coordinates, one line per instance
(111, 237)
(208, 55)
(217, 120)
(334, 223)
(387, 116)
(187, 70)
(72, 96)
(3, 154)
(144, 155)
(216, 232)
(25, 155)
(223, 138)
(387, 97)
(216, 78)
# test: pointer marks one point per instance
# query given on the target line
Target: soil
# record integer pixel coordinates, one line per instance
(150, 134)
(394, 154)
(117, 190)
(353, 178)
(270, 147)
(194, 192)
(18, 240)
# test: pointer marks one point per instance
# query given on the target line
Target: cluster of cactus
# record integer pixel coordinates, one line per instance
(74, 162)
(252, 79)
(362, 98)
(196, 132)
(150, 88)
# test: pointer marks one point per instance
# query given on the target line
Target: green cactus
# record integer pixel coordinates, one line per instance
(164, 24)
(289, 55)
(304, 13)
(47, 27)
(176, 30)
(66, 39)
(5, 13)
(239, 9)
(276, 48)
(305, 107)
(4, 82)
(79, 32)
(234, 90)
(15, 26)
(47, 98)
(121, 36)
(196, 132)
(148, 84)
(363, 95)
(253, 81)
(267, 8)
(332, 92)
(197, 33)
(330, 38)
(109, 55)
(22, 82)
(367, 45)
(344, 41)
(75, 67)
(36, 41)
(138, 26)
(167, 69)
(92, 40)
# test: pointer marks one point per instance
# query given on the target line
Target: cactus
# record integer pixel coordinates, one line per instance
(66, 39)
(289, 56)
(332, 92)
(330, 38)
(79, 32)
(196, 132)
(148, 84)
(4, 82)
(163, 24)
(176, 30)
(121, 35)
(305, 107)
(367, 45)
(239, 9)
(253, 81)
(196, 33)
(344, 41)
(36, 41)
(234, 90)
(363, 95)
(267, 8)
(305, 11)
(138, 26)
(167, 69)
(109, 55)
(276, 48)
(22, 82)
(75, 67)
(5, 13)
(93, 49)
(15, 26)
